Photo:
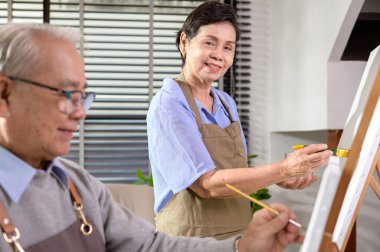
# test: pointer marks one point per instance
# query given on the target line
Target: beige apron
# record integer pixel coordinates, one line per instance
(188, 214)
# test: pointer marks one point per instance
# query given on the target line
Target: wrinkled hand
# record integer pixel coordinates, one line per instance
(299, 182)
(271, 233)
(304, 161)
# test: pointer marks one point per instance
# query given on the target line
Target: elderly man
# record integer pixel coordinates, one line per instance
(48, 203)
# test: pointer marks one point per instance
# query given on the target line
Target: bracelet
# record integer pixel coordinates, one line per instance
(236, 243)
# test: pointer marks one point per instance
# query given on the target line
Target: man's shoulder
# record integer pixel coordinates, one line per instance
(82, 179)
(69, 164)
(74, 170)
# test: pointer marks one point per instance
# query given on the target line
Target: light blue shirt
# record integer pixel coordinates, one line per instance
(15, 174)
(177, 153)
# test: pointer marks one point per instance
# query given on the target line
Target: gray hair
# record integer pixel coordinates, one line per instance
(19, 47)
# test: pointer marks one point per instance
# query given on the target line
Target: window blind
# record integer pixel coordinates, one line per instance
(3, 11)
(129, 49)
(243, 71)
(26, 11)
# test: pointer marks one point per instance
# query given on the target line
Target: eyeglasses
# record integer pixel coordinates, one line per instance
(73, 98)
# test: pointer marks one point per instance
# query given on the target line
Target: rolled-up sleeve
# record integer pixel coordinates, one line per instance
(177, 153)
(181, 155)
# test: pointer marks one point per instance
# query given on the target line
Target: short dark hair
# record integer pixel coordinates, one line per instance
(209, 12)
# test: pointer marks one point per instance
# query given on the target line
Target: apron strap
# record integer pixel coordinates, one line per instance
(227, 108)
(190, 100)
(74, 193)
(86, 228)
(11, 234)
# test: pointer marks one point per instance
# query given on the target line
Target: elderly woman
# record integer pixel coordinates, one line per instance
(196, 143)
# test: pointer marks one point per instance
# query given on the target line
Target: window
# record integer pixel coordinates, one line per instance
(130, 49)
(3, 11)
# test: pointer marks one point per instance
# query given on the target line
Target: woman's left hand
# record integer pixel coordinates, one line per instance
(299, 182)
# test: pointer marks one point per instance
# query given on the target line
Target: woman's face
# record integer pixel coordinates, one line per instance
(210, 53)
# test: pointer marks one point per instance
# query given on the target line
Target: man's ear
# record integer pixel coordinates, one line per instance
(5, 85)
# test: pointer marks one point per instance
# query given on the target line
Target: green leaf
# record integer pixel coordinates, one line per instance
(150, 180)
(256, 207)
(140, 175)
(141, 179)
(261, 194)
(139, 182)
(252, 156)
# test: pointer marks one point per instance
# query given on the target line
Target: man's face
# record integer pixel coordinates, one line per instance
(36, 128)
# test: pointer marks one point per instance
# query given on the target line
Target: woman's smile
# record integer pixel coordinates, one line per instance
(213, 68)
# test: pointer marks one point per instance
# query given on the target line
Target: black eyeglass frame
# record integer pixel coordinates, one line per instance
(87, 98)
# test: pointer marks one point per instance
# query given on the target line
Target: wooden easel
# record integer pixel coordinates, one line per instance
(327, 245)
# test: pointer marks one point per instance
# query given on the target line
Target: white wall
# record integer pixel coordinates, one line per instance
(309, 91)
(303, 34)
(259, 92)
(343, 79)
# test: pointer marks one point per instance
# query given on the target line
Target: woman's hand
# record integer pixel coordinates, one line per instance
(270, 233)
(298, 183)
(303, 162)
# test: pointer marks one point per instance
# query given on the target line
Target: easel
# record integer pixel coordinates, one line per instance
(327, 245)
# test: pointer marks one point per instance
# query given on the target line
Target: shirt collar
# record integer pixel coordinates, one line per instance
(171, 86)
(217, 103)
(216, 106)
(16, 174)
(57, 169)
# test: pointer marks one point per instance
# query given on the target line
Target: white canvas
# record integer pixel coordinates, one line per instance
(332, 174)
